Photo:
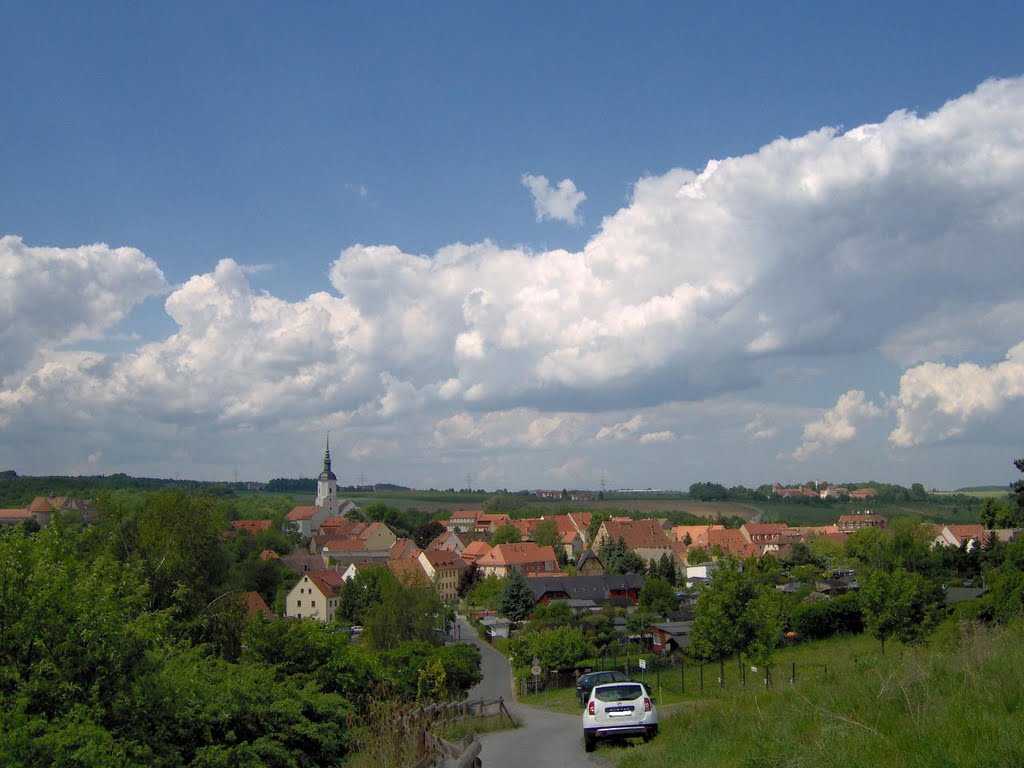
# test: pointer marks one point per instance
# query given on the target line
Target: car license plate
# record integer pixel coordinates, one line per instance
(619, 711)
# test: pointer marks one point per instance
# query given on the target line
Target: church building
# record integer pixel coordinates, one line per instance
(306, 520)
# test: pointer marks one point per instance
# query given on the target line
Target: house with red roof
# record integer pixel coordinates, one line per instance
(524, 556)
(445, 570)
(474, 551)
(314, 596)
(255, 605)
(646, 537)
(970, 537)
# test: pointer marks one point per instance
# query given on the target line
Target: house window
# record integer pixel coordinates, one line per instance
(312, 603)
(299, 603)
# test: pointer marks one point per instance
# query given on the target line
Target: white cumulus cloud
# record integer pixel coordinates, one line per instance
(837, 425)
(812, 248)
(559, 202)
(937, 401)
(52, 297)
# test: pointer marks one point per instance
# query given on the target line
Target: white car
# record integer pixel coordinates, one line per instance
(619, 709)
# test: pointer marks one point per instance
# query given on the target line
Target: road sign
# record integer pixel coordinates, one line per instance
(643, 663)
(535, 669)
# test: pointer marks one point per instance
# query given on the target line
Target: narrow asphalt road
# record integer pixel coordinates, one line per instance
(545, 738)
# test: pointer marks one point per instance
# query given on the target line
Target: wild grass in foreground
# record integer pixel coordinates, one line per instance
(475, 725)
(957, 702)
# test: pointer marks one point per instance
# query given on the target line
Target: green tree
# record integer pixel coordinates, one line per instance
(667, 568)
(426, 532)
(405, 612)
(545, 534)
(560, 648)
(696, 556)
(736, 614)
(486, 593)
(506, 534)
(658, 596)
(516, 596)
(900, 604)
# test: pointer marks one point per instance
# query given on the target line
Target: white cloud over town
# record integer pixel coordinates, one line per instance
(837, 425)
(900, 240)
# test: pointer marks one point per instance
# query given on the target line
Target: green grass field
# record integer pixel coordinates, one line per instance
(957, 702)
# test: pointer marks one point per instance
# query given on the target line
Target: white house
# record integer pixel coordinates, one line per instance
(315, 596)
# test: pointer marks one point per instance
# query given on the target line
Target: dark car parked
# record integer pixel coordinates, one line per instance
(587, 682)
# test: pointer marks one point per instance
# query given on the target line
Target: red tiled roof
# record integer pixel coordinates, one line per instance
(328, 582)
(638, 534)
(963, 533)
(698, 533)
(251, 526)
(732, 542)
(344, 545)
(518, 554)
(439, 558)
(15, 514)
(269, 554)
(475, 550)
(408, 570)
(47, 503)
(403, 549)
(301, 513)
(255, 605)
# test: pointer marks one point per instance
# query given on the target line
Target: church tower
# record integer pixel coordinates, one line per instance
(327, 484)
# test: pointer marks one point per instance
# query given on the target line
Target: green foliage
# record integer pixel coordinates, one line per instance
(516, 597)
(900, 604)
(404, 613)
(697, 556)
(658, 596)
(546, 535)
(426, 532)
(358, 595)
(955, 703)
(617, 558)
(505, 503)
(561, 648)
(1004, 578)
(736, 614)
(819, 619)
(506, 534)
(708, 492)
(486, 593)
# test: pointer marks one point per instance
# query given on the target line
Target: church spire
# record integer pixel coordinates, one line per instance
(327, 454)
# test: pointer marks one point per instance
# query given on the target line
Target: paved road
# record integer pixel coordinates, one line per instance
(546, 738)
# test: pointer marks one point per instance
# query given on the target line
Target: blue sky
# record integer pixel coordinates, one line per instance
(293, 183)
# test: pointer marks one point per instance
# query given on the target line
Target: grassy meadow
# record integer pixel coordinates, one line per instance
(957, 702)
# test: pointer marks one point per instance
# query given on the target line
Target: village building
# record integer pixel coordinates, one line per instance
(860, 520)
(445, 570)
(314, 596)
(524, 556)
(306, 520)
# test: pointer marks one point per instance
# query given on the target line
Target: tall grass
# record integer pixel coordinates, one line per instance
(958, 702)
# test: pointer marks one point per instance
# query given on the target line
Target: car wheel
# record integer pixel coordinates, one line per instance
(589, 742)
(651, 733)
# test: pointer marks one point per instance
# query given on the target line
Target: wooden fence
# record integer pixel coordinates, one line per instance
(436, 751)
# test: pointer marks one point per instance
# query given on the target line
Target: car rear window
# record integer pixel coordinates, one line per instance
(624, 692)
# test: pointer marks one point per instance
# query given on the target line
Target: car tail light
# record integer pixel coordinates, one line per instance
(590, 708)
(647, 704)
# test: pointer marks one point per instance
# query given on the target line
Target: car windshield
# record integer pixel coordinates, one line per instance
(619, 692)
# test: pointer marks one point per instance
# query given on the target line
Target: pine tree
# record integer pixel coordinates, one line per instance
(516, 596)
